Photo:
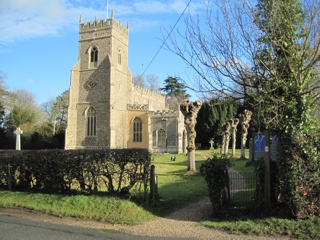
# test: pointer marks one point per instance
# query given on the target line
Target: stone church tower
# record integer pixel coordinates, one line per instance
(105, 109)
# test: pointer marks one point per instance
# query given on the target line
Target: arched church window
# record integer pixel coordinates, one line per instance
(119, 56)
(91, 122)
(154, 138)
(137, 130)
(94, 57)
(161, 138)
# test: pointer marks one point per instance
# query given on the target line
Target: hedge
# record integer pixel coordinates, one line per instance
(58, 171)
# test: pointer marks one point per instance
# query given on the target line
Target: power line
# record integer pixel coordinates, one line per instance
(165, 39)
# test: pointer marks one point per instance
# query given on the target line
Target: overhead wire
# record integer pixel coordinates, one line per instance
(165, 40)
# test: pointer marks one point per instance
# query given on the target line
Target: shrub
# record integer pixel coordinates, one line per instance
(215, 172)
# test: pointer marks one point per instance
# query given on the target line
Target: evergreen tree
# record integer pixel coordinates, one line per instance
(175, 92)
(19, 116)
(211, 117)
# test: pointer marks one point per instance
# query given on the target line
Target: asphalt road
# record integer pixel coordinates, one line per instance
(12, 228)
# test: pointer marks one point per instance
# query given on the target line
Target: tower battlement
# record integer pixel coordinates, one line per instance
(103, 24)
(152, 94)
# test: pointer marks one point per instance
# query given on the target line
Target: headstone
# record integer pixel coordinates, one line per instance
(18, 132)
(211, 144)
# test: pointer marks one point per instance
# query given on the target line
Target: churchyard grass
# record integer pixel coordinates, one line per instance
(176, 188)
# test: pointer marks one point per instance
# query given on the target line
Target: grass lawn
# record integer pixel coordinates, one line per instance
(175, 191)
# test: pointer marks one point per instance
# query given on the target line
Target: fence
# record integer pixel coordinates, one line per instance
(242, 187)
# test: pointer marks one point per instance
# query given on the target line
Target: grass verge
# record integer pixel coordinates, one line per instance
(175, 191)
(301, 229)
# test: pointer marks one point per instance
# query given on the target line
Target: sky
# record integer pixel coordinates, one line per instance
(39, 39)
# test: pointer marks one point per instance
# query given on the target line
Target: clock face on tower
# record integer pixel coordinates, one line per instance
(90, 84)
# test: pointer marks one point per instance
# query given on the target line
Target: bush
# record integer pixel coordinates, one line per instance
(215, 172)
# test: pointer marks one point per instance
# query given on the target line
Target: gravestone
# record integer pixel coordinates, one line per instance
(211, 144)
(18, 132)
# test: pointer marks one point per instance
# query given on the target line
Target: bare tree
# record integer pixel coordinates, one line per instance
(221, 43)
(219, 48)
(149, 81)
(56, 110)
(138, 80)
(153, 83)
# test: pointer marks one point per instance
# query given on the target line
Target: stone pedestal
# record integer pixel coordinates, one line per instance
(18, 132)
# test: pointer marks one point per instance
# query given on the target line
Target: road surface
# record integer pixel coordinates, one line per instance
(12, 228)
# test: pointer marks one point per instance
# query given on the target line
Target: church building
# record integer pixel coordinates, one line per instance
(106, 110)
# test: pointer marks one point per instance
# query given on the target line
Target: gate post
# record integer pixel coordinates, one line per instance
(153, 186)
(267, 187)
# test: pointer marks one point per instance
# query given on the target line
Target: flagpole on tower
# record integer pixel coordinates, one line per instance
(107, 8)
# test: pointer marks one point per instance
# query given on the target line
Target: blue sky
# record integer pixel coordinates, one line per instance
(39, 39)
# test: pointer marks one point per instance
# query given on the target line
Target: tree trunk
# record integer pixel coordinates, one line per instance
(245, 119)
(190, 111)
(227, 133)
(234, 124)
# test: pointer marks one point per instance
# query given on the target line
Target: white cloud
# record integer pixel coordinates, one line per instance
(144, 7)
(24, 19)
(21, 19)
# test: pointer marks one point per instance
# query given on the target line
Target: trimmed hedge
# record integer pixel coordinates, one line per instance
(59, 171)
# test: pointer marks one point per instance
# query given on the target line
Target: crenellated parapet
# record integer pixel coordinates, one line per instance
(103, 24)
(152, 94)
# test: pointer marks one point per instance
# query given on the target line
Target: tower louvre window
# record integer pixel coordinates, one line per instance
(94, 57)
(137, 130)
(91, 122)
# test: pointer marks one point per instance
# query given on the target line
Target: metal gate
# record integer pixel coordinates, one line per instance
(242, 187)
